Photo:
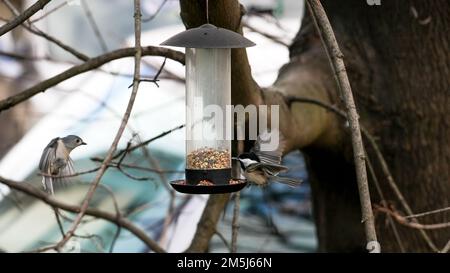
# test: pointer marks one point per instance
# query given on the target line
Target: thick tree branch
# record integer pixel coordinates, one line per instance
(111, 217)
(23, 16)
(87, 66)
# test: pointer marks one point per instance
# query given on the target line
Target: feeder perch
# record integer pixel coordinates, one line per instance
(208, 94)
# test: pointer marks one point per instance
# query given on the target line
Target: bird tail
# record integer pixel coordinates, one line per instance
(47, 182)
(292, 182)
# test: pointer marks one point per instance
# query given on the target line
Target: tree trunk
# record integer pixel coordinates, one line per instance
(397, 59)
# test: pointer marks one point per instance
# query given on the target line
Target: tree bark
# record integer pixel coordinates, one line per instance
(397, 60)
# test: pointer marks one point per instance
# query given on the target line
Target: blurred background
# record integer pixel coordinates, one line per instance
(275, 219)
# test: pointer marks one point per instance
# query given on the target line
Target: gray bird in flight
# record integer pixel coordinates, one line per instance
(56, 161)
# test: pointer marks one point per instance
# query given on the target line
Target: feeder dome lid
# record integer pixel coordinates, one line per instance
(208, 36)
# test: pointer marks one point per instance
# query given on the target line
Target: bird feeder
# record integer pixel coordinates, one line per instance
(208, 94)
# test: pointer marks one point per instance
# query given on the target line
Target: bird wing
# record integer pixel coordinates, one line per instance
(64, 171)
(270, 169)
(48, 155)
(274, 169)
(269, 157)
(68, 169)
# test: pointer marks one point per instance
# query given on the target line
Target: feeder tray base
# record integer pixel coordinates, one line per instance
(181, 186)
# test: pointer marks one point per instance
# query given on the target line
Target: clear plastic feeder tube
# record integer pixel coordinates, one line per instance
(208, 92)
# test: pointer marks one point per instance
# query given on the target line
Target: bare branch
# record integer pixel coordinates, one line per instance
(381, 194)
(123, 222)
(428, 213)
(145, 143)
(235, 222)
(31, 28)
(23, 16)
(87, 66)
(116, 236)
(402, 220)
(393, 185)
(266, 34)
(50, 11)
(155, 78)
(58, 221)
(112, 149)
(446, 247)
(151, 17)
(48, 37)
(94, 26)
(224, 240)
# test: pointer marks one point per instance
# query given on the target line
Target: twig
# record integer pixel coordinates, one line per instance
(155, 78)
(47, 199)
(169, 216)
(94, 26)
(58, 221)
(393, 185)
(137, 178)
(23, 16)
(171, 208)
(116, 236)
(266, 34)
(334, 109)
(113, 198)
(21, 57)
(402, 220)
(112, 149)
(235, 223)
(50, 11)
(119, 166)
(145, 143)
(87, 66)
(151, 17)
(446, 247)
(154, 170)
(428, 213)
(69, 175)
(31, 28)
(48, 37)
(336, 58)
(224, 240)
(380, 193)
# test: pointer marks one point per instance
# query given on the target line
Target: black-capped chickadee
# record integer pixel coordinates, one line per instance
(55, 160)
(262, 167)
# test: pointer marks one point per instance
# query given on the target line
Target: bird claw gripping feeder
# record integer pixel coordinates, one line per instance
(208, 95)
